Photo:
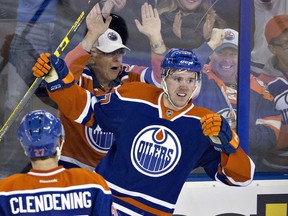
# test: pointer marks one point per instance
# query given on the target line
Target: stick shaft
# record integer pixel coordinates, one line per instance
(32, 89)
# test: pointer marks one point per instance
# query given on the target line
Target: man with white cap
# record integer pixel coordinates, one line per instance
(219, 93)
(97, 66)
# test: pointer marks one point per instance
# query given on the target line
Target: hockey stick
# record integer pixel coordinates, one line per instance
(37, 81)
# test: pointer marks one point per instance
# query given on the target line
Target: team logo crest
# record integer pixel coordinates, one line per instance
(155, 151)
(99, 140)
(112, 36)
(230, 36)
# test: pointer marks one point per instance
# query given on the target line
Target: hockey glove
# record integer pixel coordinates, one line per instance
(279, 90)
(56, 77)
(222, 137)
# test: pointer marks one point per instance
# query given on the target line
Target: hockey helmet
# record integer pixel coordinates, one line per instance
(39, 132)
(180, 59)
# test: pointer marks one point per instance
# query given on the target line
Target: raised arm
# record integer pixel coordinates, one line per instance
(72, 100)
(151, 27)
(78, 58)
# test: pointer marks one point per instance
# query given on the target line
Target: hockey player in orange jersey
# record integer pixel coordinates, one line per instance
(161, 134)
(47, 188)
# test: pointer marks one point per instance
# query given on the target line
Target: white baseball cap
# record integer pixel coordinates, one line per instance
(230, 40)
(110, 41)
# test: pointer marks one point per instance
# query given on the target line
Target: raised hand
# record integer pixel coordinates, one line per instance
(177, 24)
(209, 23)
(217, 37)
(151, 27)
(96, 27)
(151, 24)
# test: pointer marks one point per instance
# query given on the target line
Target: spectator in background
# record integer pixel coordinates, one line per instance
(275, 76)
(276, 36)
(97, 66)
(130, 10)
(264, 10)
(47, 187)
(187, 24)
(219, 93)
(158, 46)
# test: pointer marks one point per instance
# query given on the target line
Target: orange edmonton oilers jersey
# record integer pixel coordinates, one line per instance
(58, 191)
(154, 152)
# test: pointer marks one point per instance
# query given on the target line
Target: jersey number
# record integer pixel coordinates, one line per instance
(39, 152)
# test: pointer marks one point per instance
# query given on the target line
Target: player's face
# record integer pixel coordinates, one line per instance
(180, 86)
(225, 64)
(189, 5)
(106, 65)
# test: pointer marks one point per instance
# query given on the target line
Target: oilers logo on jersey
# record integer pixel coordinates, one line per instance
(99, 140)
(155, 151)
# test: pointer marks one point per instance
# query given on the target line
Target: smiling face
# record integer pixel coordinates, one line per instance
(180, 87)
(106, 66)
(224, 63)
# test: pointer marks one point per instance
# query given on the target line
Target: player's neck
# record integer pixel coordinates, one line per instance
(167, 102)
(46, 164)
